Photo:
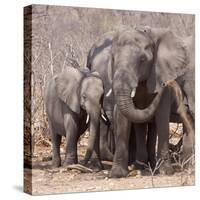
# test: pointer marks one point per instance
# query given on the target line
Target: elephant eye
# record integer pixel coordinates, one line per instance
(84, 96)
(147, 47)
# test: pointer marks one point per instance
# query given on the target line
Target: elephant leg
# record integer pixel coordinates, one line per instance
(111, 141)
(132, 146)
(141, 146)
(188, 146)
(151, 144)
(71, 140)
(56, 141)
(104, 150)
(96, 156)
(111, 137)
(162, 125)
(188, 141)
(120, 161)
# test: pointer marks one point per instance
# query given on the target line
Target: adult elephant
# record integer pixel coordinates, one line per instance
(135, 64)
(100, 59)
(73, 102)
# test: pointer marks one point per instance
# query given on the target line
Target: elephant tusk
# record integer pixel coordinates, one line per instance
(87, 119)
(104, 118)
(109, 92)
(133, 93)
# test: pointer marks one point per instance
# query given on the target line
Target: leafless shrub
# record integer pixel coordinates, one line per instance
(154, 170)
(186, 166)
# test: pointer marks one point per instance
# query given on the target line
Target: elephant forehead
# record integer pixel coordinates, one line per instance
(126, 55)
(134, 37)
(92, 85)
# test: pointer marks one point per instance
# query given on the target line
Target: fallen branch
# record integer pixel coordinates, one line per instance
(80, 168)
(105, 162)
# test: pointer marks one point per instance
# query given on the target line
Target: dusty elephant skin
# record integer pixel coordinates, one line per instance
(73, 103)
(136, 64)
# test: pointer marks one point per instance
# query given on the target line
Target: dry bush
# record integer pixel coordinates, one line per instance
(62, 36)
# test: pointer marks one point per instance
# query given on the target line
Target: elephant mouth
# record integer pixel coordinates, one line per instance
(83, 106)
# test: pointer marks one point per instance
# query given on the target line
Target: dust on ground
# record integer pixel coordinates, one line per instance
(48, 180)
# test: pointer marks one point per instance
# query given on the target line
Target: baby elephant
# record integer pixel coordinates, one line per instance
(74, 102)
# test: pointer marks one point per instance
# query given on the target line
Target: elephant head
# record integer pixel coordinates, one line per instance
(172, 56)
(132, 60)
(83, 90)
(154, 56)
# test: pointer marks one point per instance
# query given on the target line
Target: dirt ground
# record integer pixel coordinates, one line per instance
(63, 181)
(46, 180)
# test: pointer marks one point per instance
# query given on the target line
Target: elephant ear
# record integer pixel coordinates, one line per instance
(170, 61)
(67, 87)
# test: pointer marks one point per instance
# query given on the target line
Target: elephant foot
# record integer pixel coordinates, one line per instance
(140, 165)
(56, 163)
(94, 164)
(118, 172)
(166, 168)
(69, 161)
(106, 154)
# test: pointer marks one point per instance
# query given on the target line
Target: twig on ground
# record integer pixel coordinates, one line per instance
(80, 168)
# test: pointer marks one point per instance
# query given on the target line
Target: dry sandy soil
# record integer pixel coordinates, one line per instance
(46, 180)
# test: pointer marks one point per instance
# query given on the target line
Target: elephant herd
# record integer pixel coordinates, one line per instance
(136, 82)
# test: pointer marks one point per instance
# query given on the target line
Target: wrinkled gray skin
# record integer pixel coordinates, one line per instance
(99, 59)
(136, 64)
(70, 97)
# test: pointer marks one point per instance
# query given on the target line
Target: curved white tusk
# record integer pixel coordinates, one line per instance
(133, 93)
(109, 92)
(87, 119)
(102, 115)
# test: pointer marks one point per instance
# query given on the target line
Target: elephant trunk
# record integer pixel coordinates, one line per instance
(128, 109)
(126, 106)
(94, 131)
